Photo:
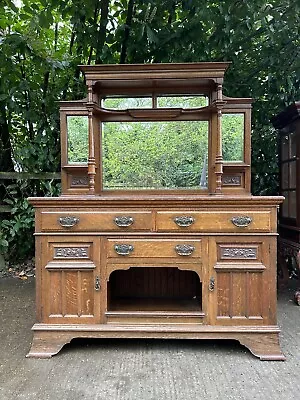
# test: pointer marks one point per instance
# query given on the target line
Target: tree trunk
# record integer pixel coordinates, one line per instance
(6, 161)
(102, 30)
(127, 31)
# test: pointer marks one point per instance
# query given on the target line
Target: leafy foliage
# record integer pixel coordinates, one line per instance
(16, 232)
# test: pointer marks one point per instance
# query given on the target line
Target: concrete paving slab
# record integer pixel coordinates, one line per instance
(141, 369)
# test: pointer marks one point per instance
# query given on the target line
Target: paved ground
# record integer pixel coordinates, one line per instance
(141, 369)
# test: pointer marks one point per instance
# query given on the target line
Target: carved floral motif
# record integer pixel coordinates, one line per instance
(239, 252)
(71, 252)
(231, 180)
(79, 181)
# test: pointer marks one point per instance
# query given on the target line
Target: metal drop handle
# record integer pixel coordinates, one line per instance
(184, 221)
(123, 249)
(97, 283)
(241, 221)
(184, 249)
(123, 221)
(68, 222)
(211, 286)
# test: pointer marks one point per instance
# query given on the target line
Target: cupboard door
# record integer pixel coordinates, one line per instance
(242, 281)
(71, 280)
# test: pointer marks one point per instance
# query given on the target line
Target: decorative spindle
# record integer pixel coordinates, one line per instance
(219, 154)
(91, 159)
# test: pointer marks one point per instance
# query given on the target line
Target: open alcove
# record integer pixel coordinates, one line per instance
(154, 289)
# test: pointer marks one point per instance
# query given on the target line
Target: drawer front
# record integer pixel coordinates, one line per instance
(153, 248)
(96, 221)
(210, 221)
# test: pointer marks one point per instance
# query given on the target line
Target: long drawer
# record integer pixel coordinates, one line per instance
(211, 221)
(89, 221)
(153, 248)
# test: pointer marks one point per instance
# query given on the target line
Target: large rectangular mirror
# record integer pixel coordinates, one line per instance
(155, 155)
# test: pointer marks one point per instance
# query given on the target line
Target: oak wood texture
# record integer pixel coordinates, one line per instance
(261, 341)
(243, 266)
(156, 263)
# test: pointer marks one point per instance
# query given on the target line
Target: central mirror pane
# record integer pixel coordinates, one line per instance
(155, 155)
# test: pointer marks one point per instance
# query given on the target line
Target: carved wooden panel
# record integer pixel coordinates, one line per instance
(71, 252)
(231, 180)
(79, 181)
(236, 252)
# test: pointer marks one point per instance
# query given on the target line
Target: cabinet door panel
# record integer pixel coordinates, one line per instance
(71, 268)
(239, 295)
(241, 269)
(71, 294)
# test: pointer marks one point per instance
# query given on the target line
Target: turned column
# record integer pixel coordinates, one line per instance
(219, 103)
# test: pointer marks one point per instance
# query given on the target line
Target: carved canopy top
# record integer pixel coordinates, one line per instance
(154, 75)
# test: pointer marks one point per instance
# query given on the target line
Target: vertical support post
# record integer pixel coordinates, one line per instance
(91, 159)
(219, 154)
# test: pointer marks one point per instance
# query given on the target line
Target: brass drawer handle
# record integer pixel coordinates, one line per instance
(123, 249)
(184, 249)
(123, 221)
(184, 221)
(241, 221)
(68, 222)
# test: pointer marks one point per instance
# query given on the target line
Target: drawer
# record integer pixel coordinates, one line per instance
(214, 221)
(153, 248)
(96, 221)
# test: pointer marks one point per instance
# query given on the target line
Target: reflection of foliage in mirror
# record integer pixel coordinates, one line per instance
(77, 139)
(233, 137)
(123, 103)
(182, 101)
(153, 155)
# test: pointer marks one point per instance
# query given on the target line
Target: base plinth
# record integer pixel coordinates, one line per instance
(263, 342)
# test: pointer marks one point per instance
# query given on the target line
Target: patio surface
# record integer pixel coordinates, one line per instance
(141, 369)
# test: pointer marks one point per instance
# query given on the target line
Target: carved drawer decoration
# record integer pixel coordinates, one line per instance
(70, 255)
(71, 252)
(238, 252)
(239, 257)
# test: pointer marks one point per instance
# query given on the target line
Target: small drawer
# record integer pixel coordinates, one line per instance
(153, 248)
(211, 221)
(98, 221)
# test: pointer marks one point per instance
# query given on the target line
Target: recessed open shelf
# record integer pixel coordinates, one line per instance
(154, 289)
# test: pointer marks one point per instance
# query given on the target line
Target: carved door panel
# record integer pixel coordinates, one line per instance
(71, 281)
(241, 284)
